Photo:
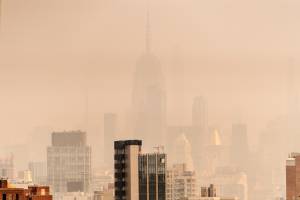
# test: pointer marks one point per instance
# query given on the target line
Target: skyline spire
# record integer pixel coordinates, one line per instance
(148, 31)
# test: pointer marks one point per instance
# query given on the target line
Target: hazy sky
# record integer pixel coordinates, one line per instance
(234, 52)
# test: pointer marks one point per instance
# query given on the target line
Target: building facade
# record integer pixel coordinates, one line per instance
(126, 169)
(293, 177)
(32, 193)
(181, 183)
(69, 162)
(138, 176)
(152, 176)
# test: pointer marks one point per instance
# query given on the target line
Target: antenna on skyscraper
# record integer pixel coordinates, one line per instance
(148, 32)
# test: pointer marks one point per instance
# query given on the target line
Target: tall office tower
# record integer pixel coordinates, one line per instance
(152, 176)
(239, 146)
(199, 115)
(138, 176)
(149, 98)
(181, 183)
(126, 169)
(38, 172)
(69, 162)
(293, 177)
(200, 138)
(7, 167)
(110, 131)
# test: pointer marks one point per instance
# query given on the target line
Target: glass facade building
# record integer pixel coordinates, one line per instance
(152, 176)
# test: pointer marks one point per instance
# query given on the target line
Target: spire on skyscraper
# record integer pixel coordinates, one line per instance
(148, 32)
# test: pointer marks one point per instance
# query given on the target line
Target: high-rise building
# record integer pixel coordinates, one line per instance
(138, 176)
(110, 131)
(239, 146)
(126, 169)
(38, 172)
(69, 162)
(199, 114)
(149, 97)
(199, 137)
(293, 177)
(7, 167)
(152, 176)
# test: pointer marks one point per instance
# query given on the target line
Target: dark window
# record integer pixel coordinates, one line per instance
(17, 196)
(3, 196)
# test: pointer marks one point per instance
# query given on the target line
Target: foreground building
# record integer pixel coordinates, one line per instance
(181, 183)
(69, 162)
(32, 193)
(293, 177)
(138, 176)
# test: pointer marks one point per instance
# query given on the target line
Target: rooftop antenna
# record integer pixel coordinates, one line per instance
(148, 30)
(159, 149)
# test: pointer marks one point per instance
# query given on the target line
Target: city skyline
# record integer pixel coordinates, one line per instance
(213, 83)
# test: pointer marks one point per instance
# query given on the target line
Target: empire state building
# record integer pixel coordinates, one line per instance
(149, 98)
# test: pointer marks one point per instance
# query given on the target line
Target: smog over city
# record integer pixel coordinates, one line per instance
(94, 92)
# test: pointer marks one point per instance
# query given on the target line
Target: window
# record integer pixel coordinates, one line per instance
(3, 196)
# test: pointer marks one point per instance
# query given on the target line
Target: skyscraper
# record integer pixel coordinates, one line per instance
(149, 97)
(199, 139)
(69, 162)
(110, 130)
(7, 167)
(39, 172)
(138, 176)
(293, 177)
(239, 145)
(152, 176)
(126, 169)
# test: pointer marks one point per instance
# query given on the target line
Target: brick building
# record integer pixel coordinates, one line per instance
(32, 193)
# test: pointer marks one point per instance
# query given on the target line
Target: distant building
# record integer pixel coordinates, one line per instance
(210, 193)
(38, 172)
(181, 183)
(69, 162)
(103, 195)
(149, 97)
(32, 193)
(293, 177)
(110, 131)
(138, 176)
(7, 167)
(25, 175)
(239, 146)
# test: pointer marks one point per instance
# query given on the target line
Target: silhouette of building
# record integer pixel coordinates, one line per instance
(69, 162)
(149, 97)
(38, 172)
(7, 167)
(199, 138)
(208, 191)
(239, 146)
(138, 176)
(110, 131)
